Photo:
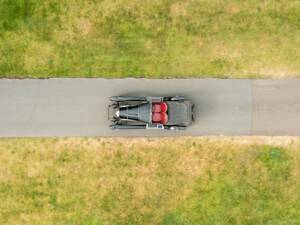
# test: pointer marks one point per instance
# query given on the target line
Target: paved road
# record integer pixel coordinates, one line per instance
(276, 107)
(78, 107)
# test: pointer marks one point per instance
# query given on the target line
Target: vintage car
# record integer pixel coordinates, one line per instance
(133, 112)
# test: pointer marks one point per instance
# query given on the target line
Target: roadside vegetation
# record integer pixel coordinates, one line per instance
(155, 39)
(150, 181)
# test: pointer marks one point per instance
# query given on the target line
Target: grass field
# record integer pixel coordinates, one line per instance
(152, 38)
(150, 181)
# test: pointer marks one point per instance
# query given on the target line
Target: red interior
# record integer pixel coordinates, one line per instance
(164, 107)
(159, 113)
(164, 118)
(156, 117)
(156, 107)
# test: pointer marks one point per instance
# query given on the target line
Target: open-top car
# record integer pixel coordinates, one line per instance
(132, 112)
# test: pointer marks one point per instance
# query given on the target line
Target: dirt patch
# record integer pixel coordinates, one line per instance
(85, 27)
(179, 8)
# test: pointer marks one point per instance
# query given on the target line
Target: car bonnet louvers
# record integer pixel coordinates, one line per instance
(139, 112)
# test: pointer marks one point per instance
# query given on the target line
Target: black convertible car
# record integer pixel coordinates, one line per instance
(130, 112)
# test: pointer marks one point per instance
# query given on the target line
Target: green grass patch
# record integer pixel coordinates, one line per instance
(244, 194)
(155, 39)
(148, 181)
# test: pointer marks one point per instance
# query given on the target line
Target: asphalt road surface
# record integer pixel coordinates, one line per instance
(78, 107)
(276, 107)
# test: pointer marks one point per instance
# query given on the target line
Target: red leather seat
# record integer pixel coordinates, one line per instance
(156, 117)
(164, 118)
(163, 106)
(156, 107)
(159, 107)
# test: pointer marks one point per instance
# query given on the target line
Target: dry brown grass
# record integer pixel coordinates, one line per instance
(152, 38)
(127, 180)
